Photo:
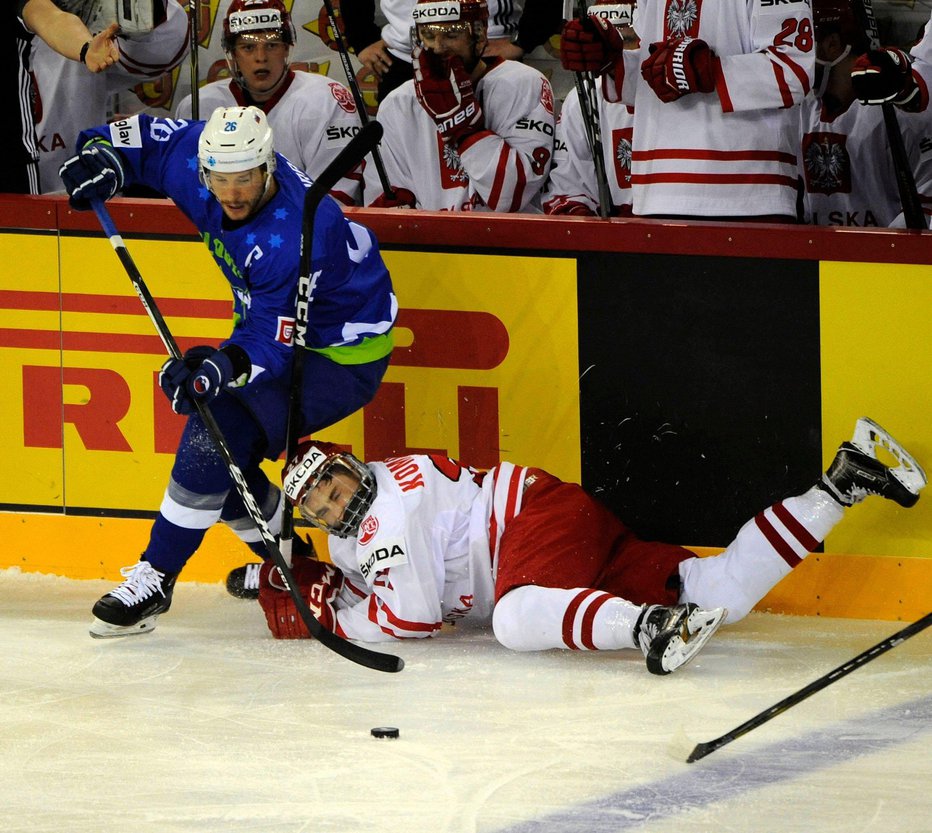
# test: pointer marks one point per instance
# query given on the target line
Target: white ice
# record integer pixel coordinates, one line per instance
(208, 724)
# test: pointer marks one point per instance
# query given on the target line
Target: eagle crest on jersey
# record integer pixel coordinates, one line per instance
(682, 18)
(622, 141)
(826, 163)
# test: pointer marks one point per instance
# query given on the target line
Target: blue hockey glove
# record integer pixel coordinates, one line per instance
(96, 172)
(201, 374)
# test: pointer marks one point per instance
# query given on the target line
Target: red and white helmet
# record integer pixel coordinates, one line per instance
(318, 464)
(619, 14)
(256, 17)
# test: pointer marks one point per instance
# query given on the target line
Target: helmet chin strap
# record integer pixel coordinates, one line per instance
(826, 67)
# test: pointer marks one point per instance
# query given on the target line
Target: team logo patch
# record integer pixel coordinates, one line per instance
(826, 163)
(682, 18)
(546, 96)
(343, 97)
(390, 553)
(285, 333)
(367, 529)
(621, 141)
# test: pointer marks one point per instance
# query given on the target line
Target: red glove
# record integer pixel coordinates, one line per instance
(403, 199)
(445, 91)
(568, 207)
(680, 66)
(883, 75)
(319, 584)
(591, 44)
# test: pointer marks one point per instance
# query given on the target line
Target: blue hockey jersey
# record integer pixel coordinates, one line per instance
(352, 307)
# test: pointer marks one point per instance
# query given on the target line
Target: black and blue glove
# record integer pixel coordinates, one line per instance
(201, 374)
(95, 173)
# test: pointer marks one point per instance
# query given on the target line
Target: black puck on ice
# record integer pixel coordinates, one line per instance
(384, 732)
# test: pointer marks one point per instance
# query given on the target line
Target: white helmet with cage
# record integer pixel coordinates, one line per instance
(340, 508)
(235, 139)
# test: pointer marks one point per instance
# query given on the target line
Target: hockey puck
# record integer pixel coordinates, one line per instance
(384, 732)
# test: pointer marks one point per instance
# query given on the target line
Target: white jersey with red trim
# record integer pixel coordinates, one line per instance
(423, 554)
(921, 54)
(572, 187)
(732, 152)
(68, 97)
(847, 169)
(502, 168)
(312, 118)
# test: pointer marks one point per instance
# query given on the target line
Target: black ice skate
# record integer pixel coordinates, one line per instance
(671, 636)
(243, 582)
(134, 606)
(856, 472)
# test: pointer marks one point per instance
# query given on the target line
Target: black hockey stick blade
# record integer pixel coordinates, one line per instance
(356, 653)
(707, 748)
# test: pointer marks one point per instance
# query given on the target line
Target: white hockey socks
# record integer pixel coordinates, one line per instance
(765, 550)
(538, 618)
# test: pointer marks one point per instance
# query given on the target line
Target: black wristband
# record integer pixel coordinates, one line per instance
(83, 56)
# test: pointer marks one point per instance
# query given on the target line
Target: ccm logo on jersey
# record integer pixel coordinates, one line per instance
(391, 554)
(125, 133)
(432, 12)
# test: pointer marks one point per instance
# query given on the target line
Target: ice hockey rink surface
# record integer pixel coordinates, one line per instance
(208, 724)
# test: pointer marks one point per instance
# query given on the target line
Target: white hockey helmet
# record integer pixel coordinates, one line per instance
(235, 139)
(319, 463)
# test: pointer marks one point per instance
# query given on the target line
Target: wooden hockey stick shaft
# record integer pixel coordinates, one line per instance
(370, 659)
(905, 181)
(357, 96)
(348, 158)
(707, 748)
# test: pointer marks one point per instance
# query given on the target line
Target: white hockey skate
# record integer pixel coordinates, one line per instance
(669, 637)
(856, 472)
(134, 606)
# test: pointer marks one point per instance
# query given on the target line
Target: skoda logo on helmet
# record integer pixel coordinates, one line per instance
(250, 21)
(437, 12)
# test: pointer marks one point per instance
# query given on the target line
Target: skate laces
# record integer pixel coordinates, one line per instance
(142, 581)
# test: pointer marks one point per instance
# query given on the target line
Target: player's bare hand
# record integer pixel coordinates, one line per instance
(376, 58)
(103, 51)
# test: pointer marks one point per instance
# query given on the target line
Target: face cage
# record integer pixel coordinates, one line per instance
(358, 505)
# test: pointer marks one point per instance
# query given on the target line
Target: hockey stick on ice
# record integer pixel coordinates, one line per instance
(905, 181)
(348, 158)
(371, 659)
(707, 748)
(357, 96)
(589, 109)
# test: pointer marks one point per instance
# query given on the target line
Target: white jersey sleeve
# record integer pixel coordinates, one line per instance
(922, 65)
(414, 564)
(572, 186)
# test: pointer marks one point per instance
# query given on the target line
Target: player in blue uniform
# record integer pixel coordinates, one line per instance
(247, 202)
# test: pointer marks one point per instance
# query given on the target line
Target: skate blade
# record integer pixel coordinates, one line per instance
(868, 435)
(104, 630)
(700, 626)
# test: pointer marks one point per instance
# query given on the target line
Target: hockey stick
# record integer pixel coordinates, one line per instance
(348, 158)
(589, 108)
(357, 96)
(703, 749)
(356, 653)
(905, 182)
(194, 22)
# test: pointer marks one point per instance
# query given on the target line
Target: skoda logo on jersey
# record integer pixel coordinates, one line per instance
(436, 12)
(620, 15)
